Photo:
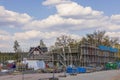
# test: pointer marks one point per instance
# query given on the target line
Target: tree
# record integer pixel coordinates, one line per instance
(18, 52)
(64, 40)
(99, 38)
(42, 44)
(16, 46)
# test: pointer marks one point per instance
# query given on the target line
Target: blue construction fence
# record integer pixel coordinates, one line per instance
(71, 70)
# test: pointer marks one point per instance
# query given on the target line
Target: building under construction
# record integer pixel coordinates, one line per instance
(84, 55)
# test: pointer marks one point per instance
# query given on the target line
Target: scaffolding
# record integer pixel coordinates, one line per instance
(82, 55)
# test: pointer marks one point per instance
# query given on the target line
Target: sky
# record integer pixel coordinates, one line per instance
(29, 21)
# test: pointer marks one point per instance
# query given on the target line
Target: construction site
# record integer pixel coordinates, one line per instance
(62, 61)
(84, 55)
(81, 55)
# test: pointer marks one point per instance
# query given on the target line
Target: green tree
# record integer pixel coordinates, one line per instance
(18, 52)
(99, 38)
(16, 46)
(42, 44)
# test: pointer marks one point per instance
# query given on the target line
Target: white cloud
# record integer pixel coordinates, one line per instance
(115, 18)
(54, 21)
(3, 32)
(26, 35)
(73, 16)
(75, 10)
(55, 2)
(37, 34)
(4, 45)
(45, 23)
(69, 18)
(57, 22)
(11, 18)
(5, 40)
(4, 36)
(113, 34)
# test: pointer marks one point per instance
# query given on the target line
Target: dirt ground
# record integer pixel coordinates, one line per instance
(102, 75)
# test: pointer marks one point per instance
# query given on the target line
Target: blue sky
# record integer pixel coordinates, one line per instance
(35, 7)
(32, 7)
(28, 21)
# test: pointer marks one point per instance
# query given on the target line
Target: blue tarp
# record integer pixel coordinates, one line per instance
(110, 49)
(81, 70)
(71, 70)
